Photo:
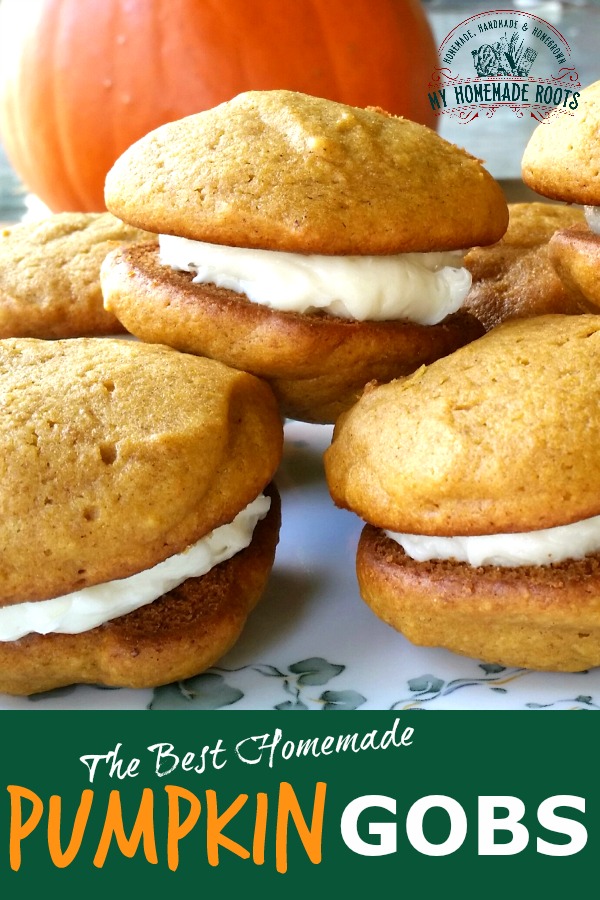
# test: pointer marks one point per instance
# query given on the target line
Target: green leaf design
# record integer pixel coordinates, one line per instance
(492, 668)
(205, 691)
(315, 670)
(342, 699)
(426, 684)
(291, 704)
(266, 669)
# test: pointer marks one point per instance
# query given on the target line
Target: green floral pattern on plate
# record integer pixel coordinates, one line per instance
(212, 691)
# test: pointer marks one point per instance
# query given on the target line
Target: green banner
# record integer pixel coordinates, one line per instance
(274, 804)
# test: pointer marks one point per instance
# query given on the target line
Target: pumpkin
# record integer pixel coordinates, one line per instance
(80, 80)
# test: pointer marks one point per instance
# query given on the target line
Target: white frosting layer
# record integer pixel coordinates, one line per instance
(592, 217)
(86, 609)
(531, 548)
(422, 287)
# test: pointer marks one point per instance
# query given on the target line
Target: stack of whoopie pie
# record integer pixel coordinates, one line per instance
(306, 249)
(313, 244)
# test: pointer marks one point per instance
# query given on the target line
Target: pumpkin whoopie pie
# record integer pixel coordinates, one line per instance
(138, 519)
(50, 275)
(515, 278)
(314, 244)
(562, 162)
(479, 478)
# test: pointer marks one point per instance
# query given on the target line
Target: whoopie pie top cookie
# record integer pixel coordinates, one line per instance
(562, 158)
(501, 436)
(50, 275)
(117, 454)
(281, 170)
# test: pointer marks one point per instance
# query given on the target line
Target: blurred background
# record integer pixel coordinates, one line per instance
(499, 141)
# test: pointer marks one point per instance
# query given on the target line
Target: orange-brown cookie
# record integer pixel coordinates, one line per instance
(317, 365)
(562, 161)
(128, 470)
(177, 636)
(50, 275)
(575, 254)
(116, 454)
(538, 617)
(281, 170)
(301, 181)
(516, 278)
(477, 479)
(477, 443)
(562, 157)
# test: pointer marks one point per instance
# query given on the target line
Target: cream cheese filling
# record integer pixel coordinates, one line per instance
(592, 217)
(531, 548)
(92, 606)
(422, 287)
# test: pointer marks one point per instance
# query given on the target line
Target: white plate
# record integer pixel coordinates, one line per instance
(313, 644)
